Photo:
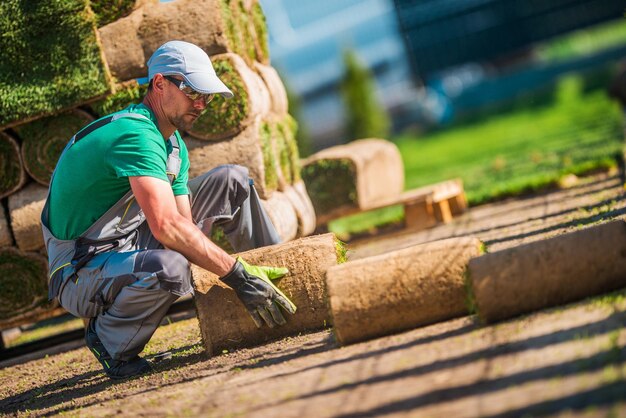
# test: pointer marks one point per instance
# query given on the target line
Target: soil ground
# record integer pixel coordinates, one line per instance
(565, 361)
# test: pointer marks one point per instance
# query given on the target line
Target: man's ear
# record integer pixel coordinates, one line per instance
(158, 82)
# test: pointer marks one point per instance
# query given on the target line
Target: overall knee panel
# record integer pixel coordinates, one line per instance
(170, 267)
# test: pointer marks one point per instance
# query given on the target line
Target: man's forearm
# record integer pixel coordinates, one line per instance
(184, 236)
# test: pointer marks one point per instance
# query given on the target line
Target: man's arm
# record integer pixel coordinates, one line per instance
(184, 206)
(175, 230)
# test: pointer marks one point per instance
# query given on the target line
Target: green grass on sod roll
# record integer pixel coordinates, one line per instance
(10, 165)
(224, 116)
(108, 11)
(49, 58)
(331, 184)
(23, 282)
(43, 141)
(132, 94)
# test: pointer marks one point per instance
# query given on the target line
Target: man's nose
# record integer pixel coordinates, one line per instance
(200, 103)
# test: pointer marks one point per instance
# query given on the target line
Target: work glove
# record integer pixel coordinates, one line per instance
(253, 285)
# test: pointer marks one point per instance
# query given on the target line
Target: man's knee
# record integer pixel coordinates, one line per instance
(235, 176)
(170, 267)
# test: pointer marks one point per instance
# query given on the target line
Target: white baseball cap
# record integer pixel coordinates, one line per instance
(190, 62)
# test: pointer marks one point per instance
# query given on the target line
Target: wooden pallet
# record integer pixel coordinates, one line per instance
(423, 207)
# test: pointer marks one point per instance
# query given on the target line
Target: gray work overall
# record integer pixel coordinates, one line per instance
(118, 272)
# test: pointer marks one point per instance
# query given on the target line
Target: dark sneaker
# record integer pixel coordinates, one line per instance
(115, 369)
(124, 369)
(95, 345)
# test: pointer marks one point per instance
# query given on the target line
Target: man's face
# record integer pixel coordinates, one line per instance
(182, 111)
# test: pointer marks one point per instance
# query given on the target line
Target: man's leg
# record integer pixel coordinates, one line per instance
(225, 196)
(128, 294)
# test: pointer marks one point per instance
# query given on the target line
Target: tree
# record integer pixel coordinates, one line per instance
(365, 116)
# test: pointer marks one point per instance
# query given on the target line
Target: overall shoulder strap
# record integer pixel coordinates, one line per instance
(173, 160)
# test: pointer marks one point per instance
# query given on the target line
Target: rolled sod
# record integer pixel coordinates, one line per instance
(50, 59)
(107, 11)
(550, 272)
(286, 146)
(11, 165)
(129, 42)
(224, 322)
(23, 282)
(259, 25)
(126, 94)
(225, 118)
(43, 141)
(362, 174)
(250, 148)
(401, 290)
(6, 238)
(283, 215)
(25, 209)
(299, 199)
(275, 86)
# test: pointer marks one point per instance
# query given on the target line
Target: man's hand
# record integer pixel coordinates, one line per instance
(254, 287)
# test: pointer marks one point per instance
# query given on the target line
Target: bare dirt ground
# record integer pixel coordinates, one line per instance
(566, 361)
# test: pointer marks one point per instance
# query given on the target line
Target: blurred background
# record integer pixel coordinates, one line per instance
(509, 95)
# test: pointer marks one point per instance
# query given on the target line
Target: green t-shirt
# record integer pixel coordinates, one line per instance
(93, 173)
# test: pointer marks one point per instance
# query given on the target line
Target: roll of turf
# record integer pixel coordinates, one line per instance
(250, 148)
(25, 209)
(23, 282)
(6, 238)
(225, 118)
(126, 94)
(224, 322)
(11, 165)
(549, 272)
(283, 215)
(50, 59)
(357, 176)
(397, 291)
(43, 141)
(299, 199)
(129, 42)
(276, 88)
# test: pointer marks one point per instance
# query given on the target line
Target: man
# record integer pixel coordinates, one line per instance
(121, 222)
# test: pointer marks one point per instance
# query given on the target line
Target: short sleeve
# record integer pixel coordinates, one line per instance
(140, 151)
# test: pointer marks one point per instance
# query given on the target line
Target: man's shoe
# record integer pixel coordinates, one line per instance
(124, 369)
(96, 347)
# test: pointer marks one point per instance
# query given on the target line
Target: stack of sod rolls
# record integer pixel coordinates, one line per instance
(358, 176)
(254, 129)
(217, 26)
(86, 67)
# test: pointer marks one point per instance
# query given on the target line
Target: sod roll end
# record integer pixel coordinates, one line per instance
(23, 282)
(14, 175)
(362, 174)
(25, 209)
(401, 290)
(550, 272)
(43, 141)
(224, 322)
(225, 118)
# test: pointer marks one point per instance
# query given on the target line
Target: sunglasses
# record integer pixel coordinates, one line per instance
(189, 92)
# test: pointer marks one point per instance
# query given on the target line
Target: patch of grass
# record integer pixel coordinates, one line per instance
(46, 329)
(368, 221)
(49, 58)
(522, 151)
(511, 154)
(330, 183)
(470, 298)
(342, 251)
